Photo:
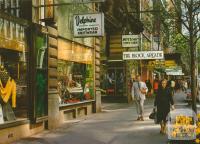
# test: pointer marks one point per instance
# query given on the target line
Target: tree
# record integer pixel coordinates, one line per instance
(190, 19)
(178, 42)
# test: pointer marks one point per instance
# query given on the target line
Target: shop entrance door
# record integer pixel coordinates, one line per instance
(116, 80)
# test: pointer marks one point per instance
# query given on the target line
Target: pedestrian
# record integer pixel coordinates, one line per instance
(149, 86)
(139, 89)
(155, 85)
(185, 86)
(162, 103)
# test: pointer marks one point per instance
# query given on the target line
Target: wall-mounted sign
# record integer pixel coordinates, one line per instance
(86, 25)
(138, 55)
(130, 40)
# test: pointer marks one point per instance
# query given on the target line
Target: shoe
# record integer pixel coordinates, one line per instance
(138, 118)
(141, 118)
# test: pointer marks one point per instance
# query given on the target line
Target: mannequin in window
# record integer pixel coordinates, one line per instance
(8, 113)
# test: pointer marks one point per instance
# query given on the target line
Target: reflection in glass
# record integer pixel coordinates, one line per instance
(75, 81)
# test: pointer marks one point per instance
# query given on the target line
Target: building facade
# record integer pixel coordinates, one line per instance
(48, 76)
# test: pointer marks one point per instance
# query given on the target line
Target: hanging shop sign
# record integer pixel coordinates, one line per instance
(174, 71)
(130, 40)
(138, 55)
(89, 25)
(170, 63)
(156, 64)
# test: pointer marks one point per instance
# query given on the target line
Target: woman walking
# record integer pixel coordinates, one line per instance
(162, 103)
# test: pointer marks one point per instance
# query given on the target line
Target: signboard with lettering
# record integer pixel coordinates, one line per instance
(86, 25)
(130, 40)
(138, 55)
(174, 71)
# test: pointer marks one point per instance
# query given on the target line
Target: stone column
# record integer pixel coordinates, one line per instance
(97, 75)
(53, 97)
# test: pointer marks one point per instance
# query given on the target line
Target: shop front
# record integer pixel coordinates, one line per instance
(13, 72)
(16, 80)
(75, 78)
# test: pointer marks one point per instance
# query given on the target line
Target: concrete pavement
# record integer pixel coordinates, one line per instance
(115, 125)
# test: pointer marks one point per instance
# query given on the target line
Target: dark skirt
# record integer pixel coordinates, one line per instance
(162, 113)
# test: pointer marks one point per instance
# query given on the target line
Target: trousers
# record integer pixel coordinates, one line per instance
(139, 107)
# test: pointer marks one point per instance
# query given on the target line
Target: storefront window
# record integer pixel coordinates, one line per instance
(75, 75)
(13, 80)
(41, 75)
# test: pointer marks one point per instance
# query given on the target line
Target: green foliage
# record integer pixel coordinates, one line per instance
(179, 43)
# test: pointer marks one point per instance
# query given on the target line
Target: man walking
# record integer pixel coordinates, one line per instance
(139, 89)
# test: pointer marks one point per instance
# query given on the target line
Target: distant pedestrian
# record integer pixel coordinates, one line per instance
(162, 103)
(185, 86)
(149, 86)
(155, 85)
(171, 84)
(139, 89)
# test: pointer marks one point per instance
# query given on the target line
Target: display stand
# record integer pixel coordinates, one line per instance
(181, 126)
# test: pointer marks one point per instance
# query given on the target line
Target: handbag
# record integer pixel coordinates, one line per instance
(152, 114)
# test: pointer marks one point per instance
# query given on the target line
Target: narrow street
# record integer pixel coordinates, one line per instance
(115, 125)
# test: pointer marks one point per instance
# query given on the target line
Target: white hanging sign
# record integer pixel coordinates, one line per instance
(138, 55)
(89, 25)
(130, 40)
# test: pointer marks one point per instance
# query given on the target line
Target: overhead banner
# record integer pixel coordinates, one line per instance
(86, 25)
(139, 55)
(130, 40)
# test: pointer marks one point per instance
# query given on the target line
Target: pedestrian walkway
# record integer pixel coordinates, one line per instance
(115, 125)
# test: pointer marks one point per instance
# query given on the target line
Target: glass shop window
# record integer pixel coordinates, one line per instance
(75, 82)
(13, 82)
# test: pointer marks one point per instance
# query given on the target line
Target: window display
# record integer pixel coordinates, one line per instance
(13, 72)
(13, 85)
(75, 81)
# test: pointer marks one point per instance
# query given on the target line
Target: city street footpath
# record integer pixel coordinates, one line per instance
(116, 124)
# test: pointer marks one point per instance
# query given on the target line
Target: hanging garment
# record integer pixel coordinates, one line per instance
(8, 91)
